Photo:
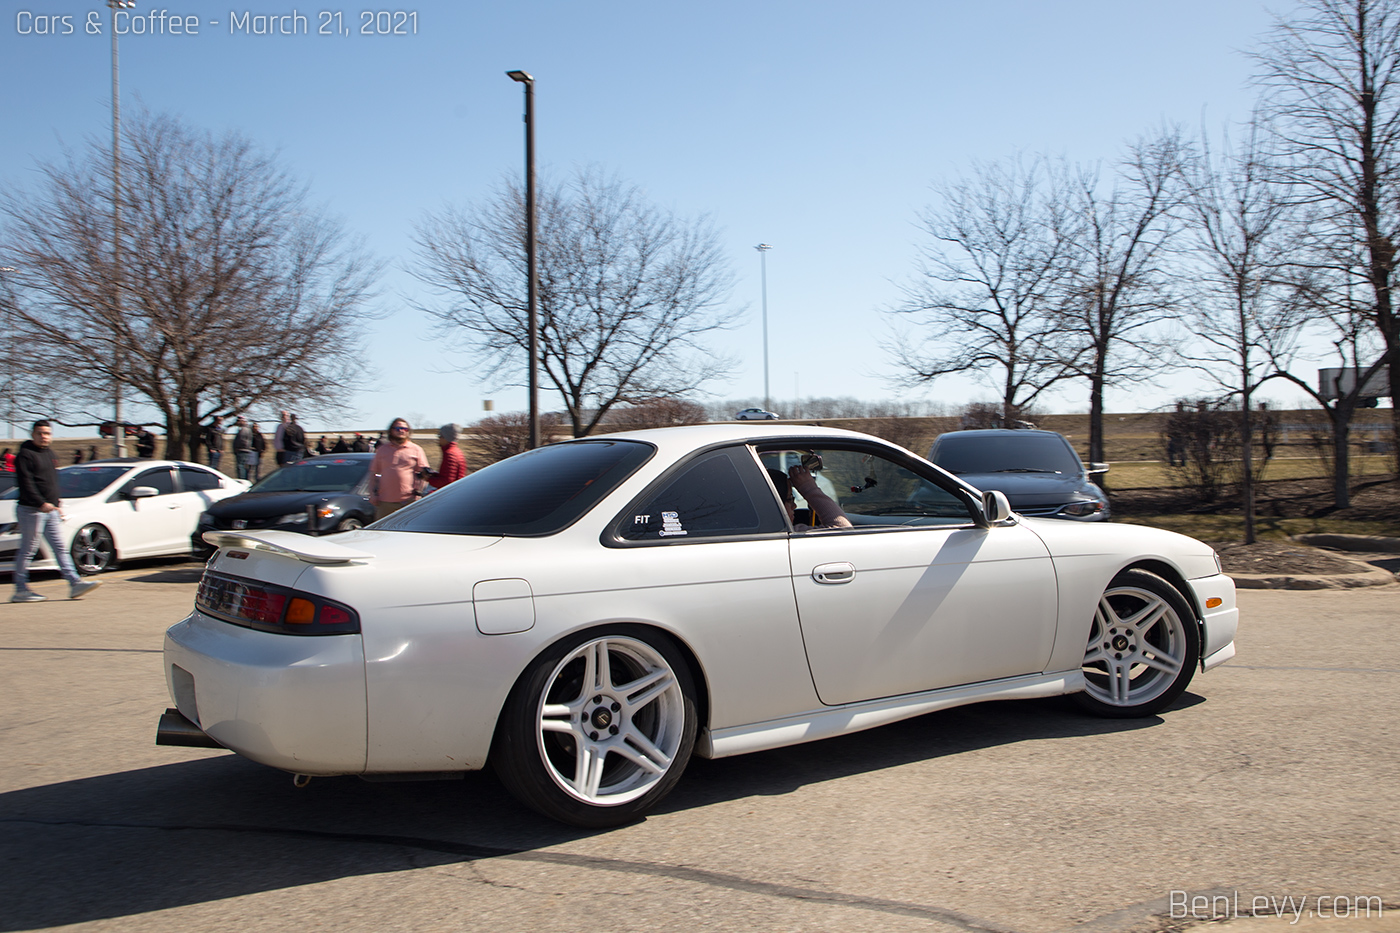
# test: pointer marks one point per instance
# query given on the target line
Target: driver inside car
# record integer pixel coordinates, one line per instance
(825, 511)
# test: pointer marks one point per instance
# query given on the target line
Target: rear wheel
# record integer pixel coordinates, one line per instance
(599, 728)
(1143, 647)
(93, 550)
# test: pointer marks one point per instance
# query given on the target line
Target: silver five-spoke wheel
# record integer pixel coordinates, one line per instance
(1143, 647)
(93, 550)
(611, 724)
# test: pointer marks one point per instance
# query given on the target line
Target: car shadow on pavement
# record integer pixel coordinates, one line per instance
(172, 575)
(156, 838)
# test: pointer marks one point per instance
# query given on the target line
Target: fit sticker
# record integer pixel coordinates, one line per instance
(671, 525)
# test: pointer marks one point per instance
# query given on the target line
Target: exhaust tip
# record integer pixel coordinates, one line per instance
(175, 729)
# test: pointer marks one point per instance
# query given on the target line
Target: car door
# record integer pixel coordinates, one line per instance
(150, 525)
(916, 596)
(705, 552)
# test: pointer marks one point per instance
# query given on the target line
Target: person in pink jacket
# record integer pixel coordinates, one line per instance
(396, 471)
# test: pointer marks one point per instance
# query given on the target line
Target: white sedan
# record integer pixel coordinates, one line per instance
(587, 615)
(122, 508)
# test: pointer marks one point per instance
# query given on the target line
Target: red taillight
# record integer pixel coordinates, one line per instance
(271, 608)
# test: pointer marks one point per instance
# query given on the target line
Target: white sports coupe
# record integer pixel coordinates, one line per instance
(587, 615)
(122, 508)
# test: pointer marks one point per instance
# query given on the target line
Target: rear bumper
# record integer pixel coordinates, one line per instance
(292, 702)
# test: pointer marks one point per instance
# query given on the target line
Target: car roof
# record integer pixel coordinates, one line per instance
(131, 462)
(679, 440)
(1001, 432)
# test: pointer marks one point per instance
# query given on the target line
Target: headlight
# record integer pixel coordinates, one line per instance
(329, 510)
(294, 518)
(1084, 507)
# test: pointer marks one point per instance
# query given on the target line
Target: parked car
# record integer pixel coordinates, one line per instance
(755, 414)
(122, 508)
(319, 496)
(1038, 471)
(588, 615)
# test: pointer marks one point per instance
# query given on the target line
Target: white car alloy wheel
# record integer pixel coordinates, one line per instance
(93, 550)
(611, 721)
(1143, 647)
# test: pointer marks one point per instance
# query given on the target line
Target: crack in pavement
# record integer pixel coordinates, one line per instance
(472, 852)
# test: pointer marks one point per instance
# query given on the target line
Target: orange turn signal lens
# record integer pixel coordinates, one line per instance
(301, 612)
(1213, 602)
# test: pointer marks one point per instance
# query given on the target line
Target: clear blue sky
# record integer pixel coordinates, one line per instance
(817, 127)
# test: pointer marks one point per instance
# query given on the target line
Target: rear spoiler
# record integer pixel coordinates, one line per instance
(303, 547)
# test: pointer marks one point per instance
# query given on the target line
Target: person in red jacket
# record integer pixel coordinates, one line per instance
(454, 464)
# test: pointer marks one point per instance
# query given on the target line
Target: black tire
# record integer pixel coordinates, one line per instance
(349, 524)
(93, 550)
(1144, 645)
(645, 734)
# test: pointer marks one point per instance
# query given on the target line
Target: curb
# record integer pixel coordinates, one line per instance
(1375, 544)
(1311, 581)
(1366, 575)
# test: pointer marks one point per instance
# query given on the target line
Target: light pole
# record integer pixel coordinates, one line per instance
(10, 363)
(763, 249)
(118, 428)
(531, 272)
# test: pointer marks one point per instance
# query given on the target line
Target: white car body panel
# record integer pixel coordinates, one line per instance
(970, 614)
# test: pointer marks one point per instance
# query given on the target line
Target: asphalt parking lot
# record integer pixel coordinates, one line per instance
(1274, 777)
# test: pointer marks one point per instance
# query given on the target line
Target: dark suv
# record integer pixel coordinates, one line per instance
(1038, 471)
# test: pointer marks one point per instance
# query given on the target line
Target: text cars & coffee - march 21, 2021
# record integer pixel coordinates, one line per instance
(163, 22)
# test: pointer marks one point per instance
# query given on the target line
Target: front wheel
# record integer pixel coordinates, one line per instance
(93, 550)
(349, 524)
(599, 728)
(1143, 647)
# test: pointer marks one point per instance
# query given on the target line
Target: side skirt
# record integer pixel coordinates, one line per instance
(854, 717)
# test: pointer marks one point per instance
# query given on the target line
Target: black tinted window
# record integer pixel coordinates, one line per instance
(194, 479)
(324, 474)
(76, 482)
(535, 493)
(160, 479)
(708, 498)
(1004, 453)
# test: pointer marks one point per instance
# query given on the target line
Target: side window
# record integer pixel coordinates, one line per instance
(874, 490)
(716, 495)
(159, 478)
(193, 479)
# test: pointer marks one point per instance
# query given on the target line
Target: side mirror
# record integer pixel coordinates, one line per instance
(995, 506)
(1098, 468)
(143, 492)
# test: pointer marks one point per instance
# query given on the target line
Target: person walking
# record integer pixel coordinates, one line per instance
(145, 444)
(454, 464)
(214, 441)
(279, 449)
(243, 453)
(38, 512)
(396, 471)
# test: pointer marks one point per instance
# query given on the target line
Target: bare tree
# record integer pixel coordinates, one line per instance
(1331, 78)
(1120, 282)
(991, 281)
(1244, 316)
(233, 290)
(627, 291)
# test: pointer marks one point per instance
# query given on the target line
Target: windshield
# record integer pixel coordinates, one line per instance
(324, 474)
(1005, 453)
(538, 492)
(79, 482)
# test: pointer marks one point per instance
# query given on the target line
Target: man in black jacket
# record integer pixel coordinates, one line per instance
(37, 512)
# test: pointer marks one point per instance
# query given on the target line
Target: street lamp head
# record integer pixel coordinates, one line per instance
(122, 4)
(763, 247)
(522, 76)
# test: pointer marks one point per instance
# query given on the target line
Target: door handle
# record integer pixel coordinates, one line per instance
(838, 572)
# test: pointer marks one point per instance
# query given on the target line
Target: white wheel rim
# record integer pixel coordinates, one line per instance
(1137, 647)
(610, 721)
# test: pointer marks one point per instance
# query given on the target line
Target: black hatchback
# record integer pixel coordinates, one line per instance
(319, 496)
